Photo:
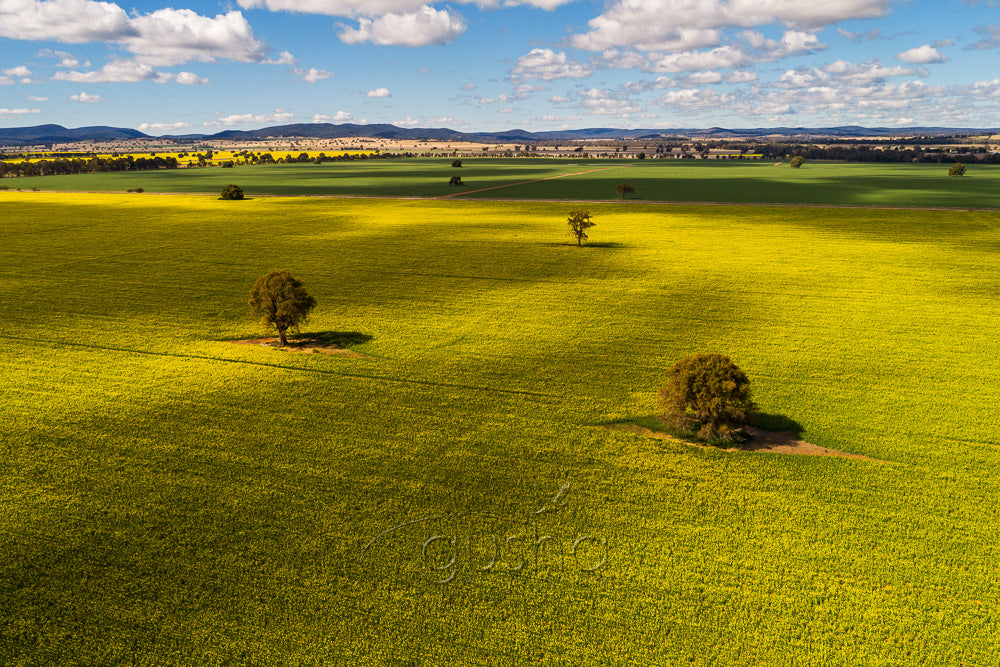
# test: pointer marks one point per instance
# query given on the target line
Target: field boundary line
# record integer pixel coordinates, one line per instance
(319, 371)
(534, 180)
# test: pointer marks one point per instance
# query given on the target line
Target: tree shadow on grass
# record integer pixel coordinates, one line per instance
(776, 423)
(588, 244)
(339, 338)
(770, 428)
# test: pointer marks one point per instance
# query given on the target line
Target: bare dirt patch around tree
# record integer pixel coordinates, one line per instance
(766, 442)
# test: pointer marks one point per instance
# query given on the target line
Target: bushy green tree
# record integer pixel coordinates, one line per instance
(232, 192)
(579, 222)
(624, 190)
(797, 162)
(456, 163)
(709, 395)
(957, 169)
(455, 180)
(280, 302)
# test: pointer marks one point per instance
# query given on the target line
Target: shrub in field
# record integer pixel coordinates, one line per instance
(624, 190)
(797, 162)
(456, 163)
(280, 302)
(232, 192)
(709, 395)
(957, 169)
(579, 222)
(135, 190)
(455, 180)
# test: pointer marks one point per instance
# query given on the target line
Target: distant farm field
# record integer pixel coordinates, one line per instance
(908, 185)
(452, 495)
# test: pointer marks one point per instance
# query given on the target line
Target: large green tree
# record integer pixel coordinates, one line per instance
(707, 394)
(280, 302)
(579, 222)
(231, 191)
(624, 189)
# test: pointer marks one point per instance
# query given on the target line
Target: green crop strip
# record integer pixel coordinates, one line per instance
(845, 184)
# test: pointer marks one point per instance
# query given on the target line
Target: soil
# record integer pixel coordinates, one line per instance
(307, 345)
(767, 442)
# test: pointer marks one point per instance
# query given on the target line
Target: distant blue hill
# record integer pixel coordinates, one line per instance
(53, 134)
(56, 134)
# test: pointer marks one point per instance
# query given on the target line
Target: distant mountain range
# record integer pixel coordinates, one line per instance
(57, 134)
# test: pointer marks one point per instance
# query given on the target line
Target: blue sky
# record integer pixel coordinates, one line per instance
(184, 66)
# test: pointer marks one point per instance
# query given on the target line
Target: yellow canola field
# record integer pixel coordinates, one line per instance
(189, 157)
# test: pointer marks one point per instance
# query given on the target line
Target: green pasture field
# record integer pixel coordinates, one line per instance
(454, 496)
(894, 185)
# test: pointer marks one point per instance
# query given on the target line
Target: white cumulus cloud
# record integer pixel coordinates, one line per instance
(85, 98)
(19, 74)
(684, 25)
(70, 21)
(369, 8)
(312, 75)
(279, 116)
(547, 65)
(695, 98)
(175, 36)
(379, 92)
(128, 71)
(922, 55)
(17, 112)
(163, 37)
(339, 117)
(867, 71)
(424, 26)
(284, 58)
(163, 127)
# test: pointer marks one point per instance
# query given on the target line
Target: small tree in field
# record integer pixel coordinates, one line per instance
(707, 394)
(797, 162)
(455, 180)
(624, 189)
(232, 192)
(280, 302)
(456, 163)
(579, 222)
(957, 169)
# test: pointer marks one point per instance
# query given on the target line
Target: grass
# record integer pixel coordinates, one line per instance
(167, 497)
(892, 185)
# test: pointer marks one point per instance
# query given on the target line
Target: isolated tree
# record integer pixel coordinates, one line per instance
(456, 163)
(455, 180)
(232, 192)
(957, 169)
(579, 222)
(280, 302)
(624, 190)
(709, 395)
(797, 162)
